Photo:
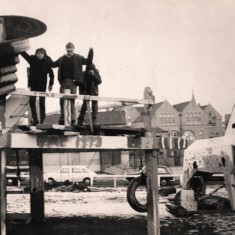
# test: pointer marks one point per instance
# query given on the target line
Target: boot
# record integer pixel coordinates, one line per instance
(79, 122)
(34, 123)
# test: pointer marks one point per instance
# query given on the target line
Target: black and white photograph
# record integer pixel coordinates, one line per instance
(117, 117)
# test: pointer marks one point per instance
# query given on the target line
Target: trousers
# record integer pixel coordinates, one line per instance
(68, 84)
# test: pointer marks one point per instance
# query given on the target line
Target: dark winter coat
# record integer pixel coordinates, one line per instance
(78, 61)
(91, 82)
(38, 71)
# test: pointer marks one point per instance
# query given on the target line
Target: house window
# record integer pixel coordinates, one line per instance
(169, 118)
(173, 119)
(195, 118)
(192, 118)
(189, 135)
(161, 118)
(199, 118)
(174, 134)
(165, 119)
(211, 119)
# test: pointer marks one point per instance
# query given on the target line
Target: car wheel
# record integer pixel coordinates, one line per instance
(163, 182)
(10, 181)
(87, 181)
(51, 181)
(131, 194)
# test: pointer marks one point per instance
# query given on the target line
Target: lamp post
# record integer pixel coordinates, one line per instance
(179, 154)
(180, 127)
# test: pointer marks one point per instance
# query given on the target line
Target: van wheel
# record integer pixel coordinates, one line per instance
(87, 181)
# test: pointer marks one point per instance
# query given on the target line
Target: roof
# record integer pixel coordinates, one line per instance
(158, 105)
(103, 118)
(203, 107)
(180, 107)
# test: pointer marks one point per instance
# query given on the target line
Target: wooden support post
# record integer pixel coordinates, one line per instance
(67, 109)
(89, 115)
(151, 167)
(2, 152)
(152, 192)
(36, 186)
(3, 191)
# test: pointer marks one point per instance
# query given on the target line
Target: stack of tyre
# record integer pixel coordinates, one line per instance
(9, 50)
(14, 34)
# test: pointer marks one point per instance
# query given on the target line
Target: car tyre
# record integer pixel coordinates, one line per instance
(87, 181)
(51, 181)
(163, 182)
(131, 197)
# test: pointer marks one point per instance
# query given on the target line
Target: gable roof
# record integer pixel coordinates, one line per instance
(180, 107)
(203, 107)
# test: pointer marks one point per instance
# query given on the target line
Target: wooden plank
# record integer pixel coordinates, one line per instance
(18, 140)
(81, 97)
(24, 140)
(54, 127)
(16, 106)
(119, 130)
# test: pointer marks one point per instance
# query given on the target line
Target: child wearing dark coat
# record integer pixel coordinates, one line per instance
(92, 79)
(40, 67)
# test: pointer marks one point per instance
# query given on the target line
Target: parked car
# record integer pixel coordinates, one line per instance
(12, 177)
(165, 175)
(69, 174)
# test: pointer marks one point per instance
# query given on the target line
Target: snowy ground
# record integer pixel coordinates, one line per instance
(110, 204)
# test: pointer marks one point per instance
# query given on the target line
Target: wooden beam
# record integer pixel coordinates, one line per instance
(17, 140)
(81, 97)
(46, 141)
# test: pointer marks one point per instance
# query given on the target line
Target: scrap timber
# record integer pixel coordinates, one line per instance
(56, 138)
(14, 34)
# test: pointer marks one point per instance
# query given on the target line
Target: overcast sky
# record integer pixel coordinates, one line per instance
(175, 47)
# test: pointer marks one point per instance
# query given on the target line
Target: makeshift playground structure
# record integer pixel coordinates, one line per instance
(56, 138)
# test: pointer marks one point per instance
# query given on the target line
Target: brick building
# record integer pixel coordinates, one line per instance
(188, 119)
